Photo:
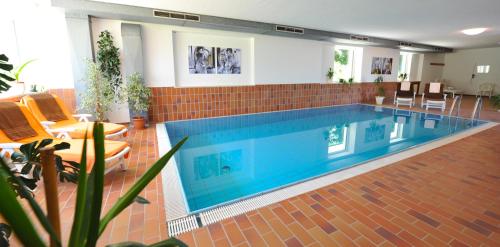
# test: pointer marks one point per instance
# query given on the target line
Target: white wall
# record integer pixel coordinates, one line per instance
(266, 59)
(369, 53)
(431, 72)
(460, 65)
(286, 60)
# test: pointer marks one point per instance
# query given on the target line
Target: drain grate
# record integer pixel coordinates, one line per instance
(182, 225)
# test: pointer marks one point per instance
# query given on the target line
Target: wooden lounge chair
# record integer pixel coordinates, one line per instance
(404, 95)
(49, 110)
(18, 126)
(433, 96)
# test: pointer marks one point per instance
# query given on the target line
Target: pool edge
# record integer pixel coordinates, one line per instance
(178, 224)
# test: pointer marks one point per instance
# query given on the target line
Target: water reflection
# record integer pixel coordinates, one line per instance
(229, 158)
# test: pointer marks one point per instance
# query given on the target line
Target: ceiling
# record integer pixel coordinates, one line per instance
(432, 22)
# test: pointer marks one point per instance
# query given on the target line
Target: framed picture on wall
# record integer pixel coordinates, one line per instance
(228, 60)
(201, 60)
(381, 66)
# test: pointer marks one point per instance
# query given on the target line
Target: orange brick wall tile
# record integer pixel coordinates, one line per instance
(170, 103)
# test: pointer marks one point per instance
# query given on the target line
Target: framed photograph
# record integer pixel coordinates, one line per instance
(228, 60)
(381, 66)
(201, 60)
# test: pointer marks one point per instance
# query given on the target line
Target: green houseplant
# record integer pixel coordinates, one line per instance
(495, 101)
(379, 98)
(17, 73)
(5, 75)
(98, 96)
(88, 225)
(402, 76)
(108, 58)
(138, 98)
(329, 74)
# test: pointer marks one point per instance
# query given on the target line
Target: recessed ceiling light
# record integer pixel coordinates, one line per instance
(474, 31)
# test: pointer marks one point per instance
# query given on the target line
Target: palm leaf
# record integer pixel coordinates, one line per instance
(134, 191)
(33, 204)
(98, 181)
(77, 230)
(14, 214)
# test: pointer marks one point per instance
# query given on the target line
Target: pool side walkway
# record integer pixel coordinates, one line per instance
(449, 196)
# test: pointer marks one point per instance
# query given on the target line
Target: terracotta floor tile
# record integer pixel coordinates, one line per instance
(446, 196)
(272, 239)
(233, 233)
(253, 237)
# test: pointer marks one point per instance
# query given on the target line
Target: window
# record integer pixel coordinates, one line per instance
(343, 65)
(396, 132)
(337, 139)
(483, 69)
(405, 63)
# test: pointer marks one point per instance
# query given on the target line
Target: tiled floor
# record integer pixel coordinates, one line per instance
(448, 196)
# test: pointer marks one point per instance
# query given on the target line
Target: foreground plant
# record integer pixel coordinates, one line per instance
(5, 77)
(88, 225)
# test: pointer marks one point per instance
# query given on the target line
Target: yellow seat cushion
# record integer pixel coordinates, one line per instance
(76, 145)
(81, 127)
(74, 153)
(71, 122)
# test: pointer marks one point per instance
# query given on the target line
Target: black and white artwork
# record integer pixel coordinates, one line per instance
(381, 66)
(228, 61)
(201, 60)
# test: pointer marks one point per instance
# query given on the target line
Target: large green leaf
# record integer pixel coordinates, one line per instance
(14, 214)
(134, 191)
(24, 193)
(80, 216)
(98, 173)
(18, 71)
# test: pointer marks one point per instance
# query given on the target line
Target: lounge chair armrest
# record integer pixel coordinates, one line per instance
(10, 145)
(8, 148)
(62, 133)
(47, 124)
(83, 117)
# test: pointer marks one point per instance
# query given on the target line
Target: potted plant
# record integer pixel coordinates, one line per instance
(17, 73)
(495, 101)
(138, 98)
(329, 74)
(402, 76)
(99, 94)
(379, 98)
(108, 58)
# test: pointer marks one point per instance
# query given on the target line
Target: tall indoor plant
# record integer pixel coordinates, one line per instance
(138, 98)
(108, 58)
(88, 225)
(99, 94)
(379, 98)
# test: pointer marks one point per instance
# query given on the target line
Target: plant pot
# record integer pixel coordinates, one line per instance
(379, 100)
(139, 123)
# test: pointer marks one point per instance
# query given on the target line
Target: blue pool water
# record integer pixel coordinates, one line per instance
(230, 158)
